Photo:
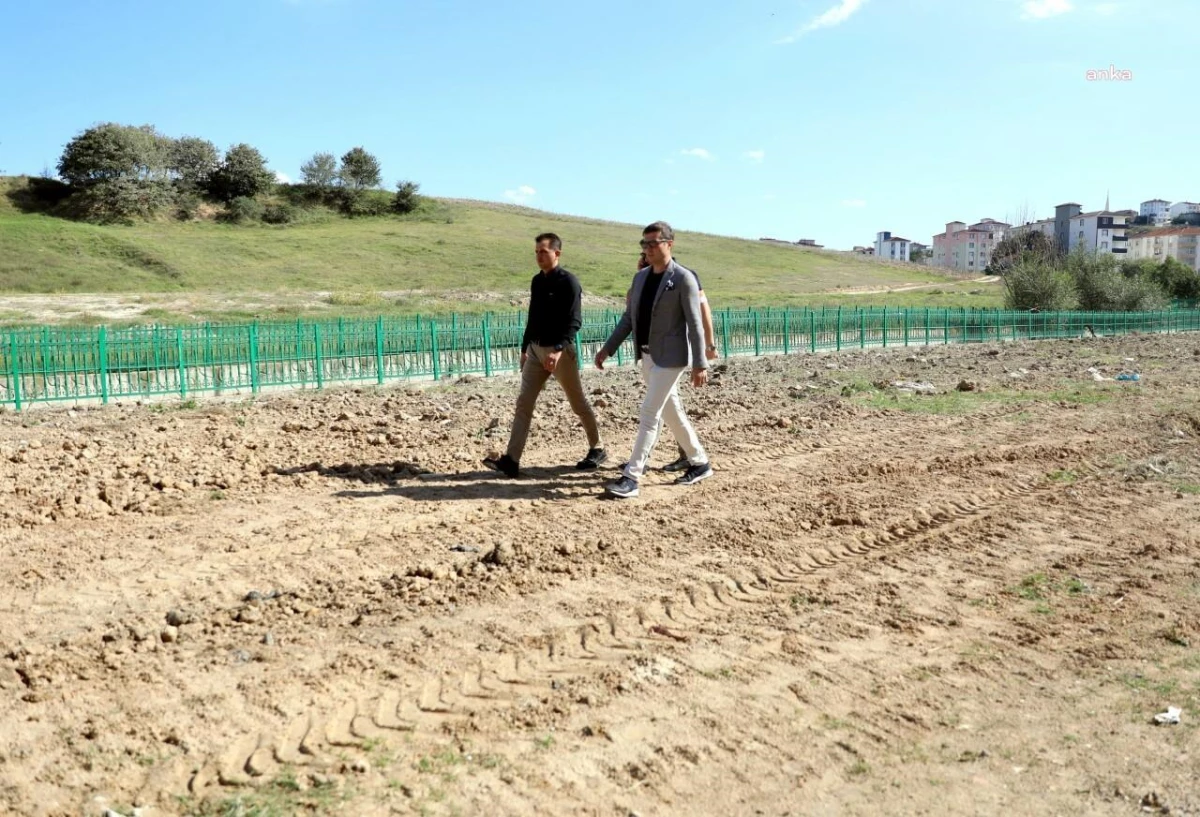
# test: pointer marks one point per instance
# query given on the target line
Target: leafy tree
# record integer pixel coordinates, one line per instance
(193, 161)
(360, 170)
(242, 174)
(320, 171)
(1025, 245)
(1030, 284)
(406, 199)
(112, 151)
(1177, 279)
(1187, 220)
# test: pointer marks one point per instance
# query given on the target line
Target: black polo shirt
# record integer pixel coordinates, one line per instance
(555, 309)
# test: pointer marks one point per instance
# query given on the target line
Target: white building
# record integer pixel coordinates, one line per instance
(1180, 243)
(1099, 231)
(1155, 211)
(893, 248)
(1181, 208)
(1044, 226)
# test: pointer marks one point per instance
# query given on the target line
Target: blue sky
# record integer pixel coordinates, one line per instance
(822, 119)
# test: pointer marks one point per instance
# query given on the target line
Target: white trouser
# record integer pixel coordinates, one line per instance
(662, 403)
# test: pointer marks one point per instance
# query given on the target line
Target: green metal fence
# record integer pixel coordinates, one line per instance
(100, 363)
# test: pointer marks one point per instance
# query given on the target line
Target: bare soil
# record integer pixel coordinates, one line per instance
(967, 602)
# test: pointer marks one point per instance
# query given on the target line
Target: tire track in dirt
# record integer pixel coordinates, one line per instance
(428, 702)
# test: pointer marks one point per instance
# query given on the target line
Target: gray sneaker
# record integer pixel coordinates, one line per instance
(694, 474)
(624, 488)
(680, 464)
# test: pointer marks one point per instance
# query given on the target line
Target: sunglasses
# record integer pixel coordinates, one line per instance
(646, 244)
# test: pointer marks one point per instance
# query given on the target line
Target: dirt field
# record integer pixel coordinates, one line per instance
(966, 602)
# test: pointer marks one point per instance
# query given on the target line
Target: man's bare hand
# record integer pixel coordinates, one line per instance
(601, 356)
(710, 352)
(699, 377)
(551, 361)
(524, 356)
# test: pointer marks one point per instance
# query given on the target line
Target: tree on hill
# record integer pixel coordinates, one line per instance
(320, 171)
(406, 199)
(360, 170)
(193, 161)
(111, 151)
(243, 173)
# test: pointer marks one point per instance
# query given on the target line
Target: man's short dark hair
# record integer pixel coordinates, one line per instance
(555, 241)
(667, 234)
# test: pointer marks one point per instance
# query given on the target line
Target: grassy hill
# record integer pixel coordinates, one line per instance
(451, 255)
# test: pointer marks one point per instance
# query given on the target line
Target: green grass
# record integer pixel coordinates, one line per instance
(447, 247)
(959, 403)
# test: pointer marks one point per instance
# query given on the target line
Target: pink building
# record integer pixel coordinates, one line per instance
(967, 248)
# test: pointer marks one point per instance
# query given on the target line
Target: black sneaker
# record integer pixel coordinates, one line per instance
(504, 464)
(694, 474)
(680, 464)
(593, 459)
(624, 488)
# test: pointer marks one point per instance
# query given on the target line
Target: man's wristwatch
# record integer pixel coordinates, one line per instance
(712, 347)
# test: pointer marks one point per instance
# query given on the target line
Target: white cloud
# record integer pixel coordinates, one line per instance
(699, 153)
(521, 195)
(830, 18)
(755, 155)
(1043, 9)
(282, 178)
(1107, 9)
(853, 203)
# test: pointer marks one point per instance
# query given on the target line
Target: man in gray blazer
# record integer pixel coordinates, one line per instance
(663, 314)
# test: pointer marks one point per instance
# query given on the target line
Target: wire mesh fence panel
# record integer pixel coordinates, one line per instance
(45, 364)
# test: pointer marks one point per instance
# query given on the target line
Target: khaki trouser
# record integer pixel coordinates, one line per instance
(533, 379)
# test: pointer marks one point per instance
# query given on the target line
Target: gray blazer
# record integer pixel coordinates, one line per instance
(676, 329)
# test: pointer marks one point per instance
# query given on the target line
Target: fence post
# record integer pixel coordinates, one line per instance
(926, 326)
(862, 329)
(103, 338)
(254, 357)
(433, 347)
(318, 358)
(15, 366)
(487, 345)
(885, 327)
(725, 332)
(182, 364)
(906, 327)
(812, 331)
(838, 336)
(787, 311)
(757, 337)
(379, 350)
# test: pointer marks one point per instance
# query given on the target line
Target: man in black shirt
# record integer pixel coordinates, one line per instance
(548, 348)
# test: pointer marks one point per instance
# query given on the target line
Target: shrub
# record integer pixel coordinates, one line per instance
(119, 200)
(356, 203)
(187, 205)
(1031, 284)
(241, 210)
(1175, 278)
(406, 199)
(279, 214)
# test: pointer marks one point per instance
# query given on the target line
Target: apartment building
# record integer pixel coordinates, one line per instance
(893, 248)
(1155, 211)
(1182, 208)
(1180, 243)
(968, 248)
